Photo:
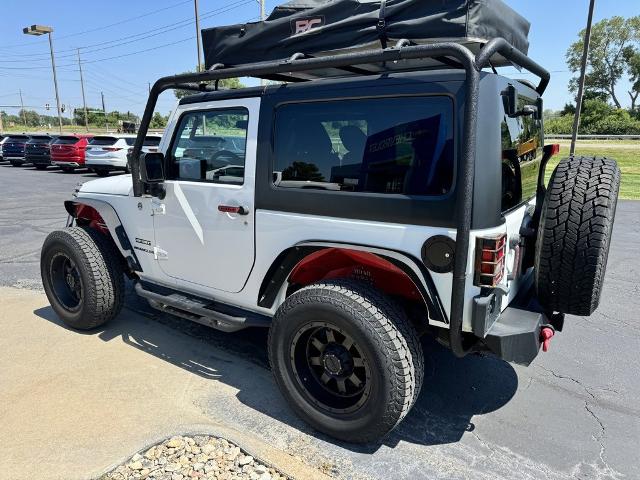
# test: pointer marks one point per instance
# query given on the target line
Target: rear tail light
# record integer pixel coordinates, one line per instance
(490, 256)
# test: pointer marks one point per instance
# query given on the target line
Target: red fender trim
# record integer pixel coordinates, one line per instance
(87, 214)
(331, 263)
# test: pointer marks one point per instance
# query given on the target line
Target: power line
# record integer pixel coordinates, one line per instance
(135, 37)
(126, 20)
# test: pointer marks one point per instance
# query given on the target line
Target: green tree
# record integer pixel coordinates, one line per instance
(610, 38)
(158, 120)
(632, 58)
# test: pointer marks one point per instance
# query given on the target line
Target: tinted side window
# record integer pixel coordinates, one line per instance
(522, 142)
(382, 145)
(209, 146)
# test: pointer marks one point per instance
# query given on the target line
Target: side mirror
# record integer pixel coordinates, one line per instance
(509, 100)
(152, 167)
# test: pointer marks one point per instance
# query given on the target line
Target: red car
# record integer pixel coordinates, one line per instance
(67, 151)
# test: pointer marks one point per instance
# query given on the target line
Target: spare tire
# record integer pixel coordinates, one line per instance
(574, 234)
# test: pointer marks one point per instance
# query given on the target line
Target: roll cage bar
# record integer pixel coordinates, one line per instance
(448, 53)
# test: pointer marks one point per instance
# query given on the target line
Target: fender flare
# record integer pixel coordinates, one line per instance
(113, 223)
(284, 263)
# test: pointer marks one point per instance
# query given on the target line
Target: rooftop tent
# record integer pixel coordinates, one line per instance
(325, 27)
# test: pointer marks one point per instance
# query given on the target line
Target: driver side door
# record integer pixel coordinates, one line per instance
(204, 227)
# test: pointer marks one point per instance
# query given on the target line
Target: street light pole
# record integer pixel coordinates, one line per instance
(583, 74)
(195, 7)
(41, 30)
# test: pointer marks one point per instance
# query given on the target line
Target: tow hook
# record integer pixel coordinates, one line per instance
(546, 334)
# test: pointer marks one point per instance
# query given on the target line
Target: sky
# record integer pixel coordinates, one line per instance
(127, 44)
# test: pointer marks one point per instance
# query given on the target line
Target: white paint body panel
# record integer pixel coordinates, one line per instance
(226, 257)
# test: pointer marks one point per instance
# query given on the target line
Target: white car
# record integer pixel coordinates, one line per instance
(105, 153)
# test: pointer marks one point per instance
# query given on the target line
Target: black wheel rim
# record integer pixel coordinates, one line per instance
(330, 368)
(66, 281)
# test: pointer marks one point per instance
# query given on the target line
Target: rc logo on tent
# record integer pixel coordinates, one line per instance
(303, 25)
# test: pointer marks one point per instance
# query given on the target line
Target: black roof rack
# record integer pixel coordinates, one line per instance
(299, 67)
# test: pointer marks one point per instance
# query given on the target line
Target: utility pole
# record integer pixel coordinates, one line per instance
(583, 72)
(24, 117)
(1, 126)
(84, 101)
(104, 111)
(195, 6)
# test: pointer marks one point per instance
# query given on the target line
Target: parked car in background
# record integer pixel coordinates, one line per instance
(68, 151)
(13, 149)
(106, 153)
(151, 143)
(36, 151)
(3, 138)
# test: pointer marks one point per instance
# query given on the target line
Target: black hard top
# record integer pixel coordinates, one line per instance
(325, 86)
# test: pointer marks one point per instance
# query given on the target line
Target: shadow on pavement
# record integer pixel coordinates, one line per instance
(454, 390)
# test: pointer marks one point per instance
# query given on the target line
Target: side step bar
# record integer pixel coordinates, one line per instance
(201, 311)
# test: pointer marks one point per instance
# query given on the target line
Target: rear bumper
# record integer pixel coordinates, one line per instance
(513, 334)
(106, 163)
(38, 159)
(66, 163)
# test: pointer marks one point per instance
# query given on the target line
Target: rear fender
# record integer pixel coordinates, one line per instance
(100, 215)
(393, 272)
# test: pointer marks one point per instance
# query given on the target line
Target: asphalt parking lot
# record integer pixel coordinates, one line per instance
(574, 413)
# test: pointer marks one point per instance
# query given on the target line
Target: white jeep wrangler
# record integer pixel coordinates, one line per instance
(349, 216)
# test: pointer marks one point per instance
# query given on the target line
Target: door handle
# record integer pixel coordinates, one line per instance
(233, 209)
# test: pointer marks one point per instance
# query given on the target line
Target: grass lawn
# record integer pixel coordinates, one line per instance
(627, 155)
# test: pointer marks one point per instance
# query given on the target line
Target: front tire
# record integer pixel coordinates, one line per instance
(82, 276)
(346, 358)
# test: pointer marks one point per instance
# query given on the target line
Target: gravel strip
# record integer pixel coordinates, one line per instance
(197, 457)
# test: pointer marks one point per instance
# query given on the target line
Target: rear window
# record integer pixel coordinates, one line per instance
(130, 140)
(381, 145)
(151, 141)
(66, 140)
(18, 138)
(103, 140)
(40, 139)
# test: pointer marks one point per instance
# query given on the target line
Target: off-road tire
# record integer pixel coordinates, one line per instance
(100, 269)
(381, 329)
(574, 234)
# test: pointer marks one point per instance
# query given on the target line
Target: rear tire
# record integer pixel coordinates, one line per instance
(41, 167)
(346, 358)
(67, 169)
(101, 172)
(82, 276)
(575, 233)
